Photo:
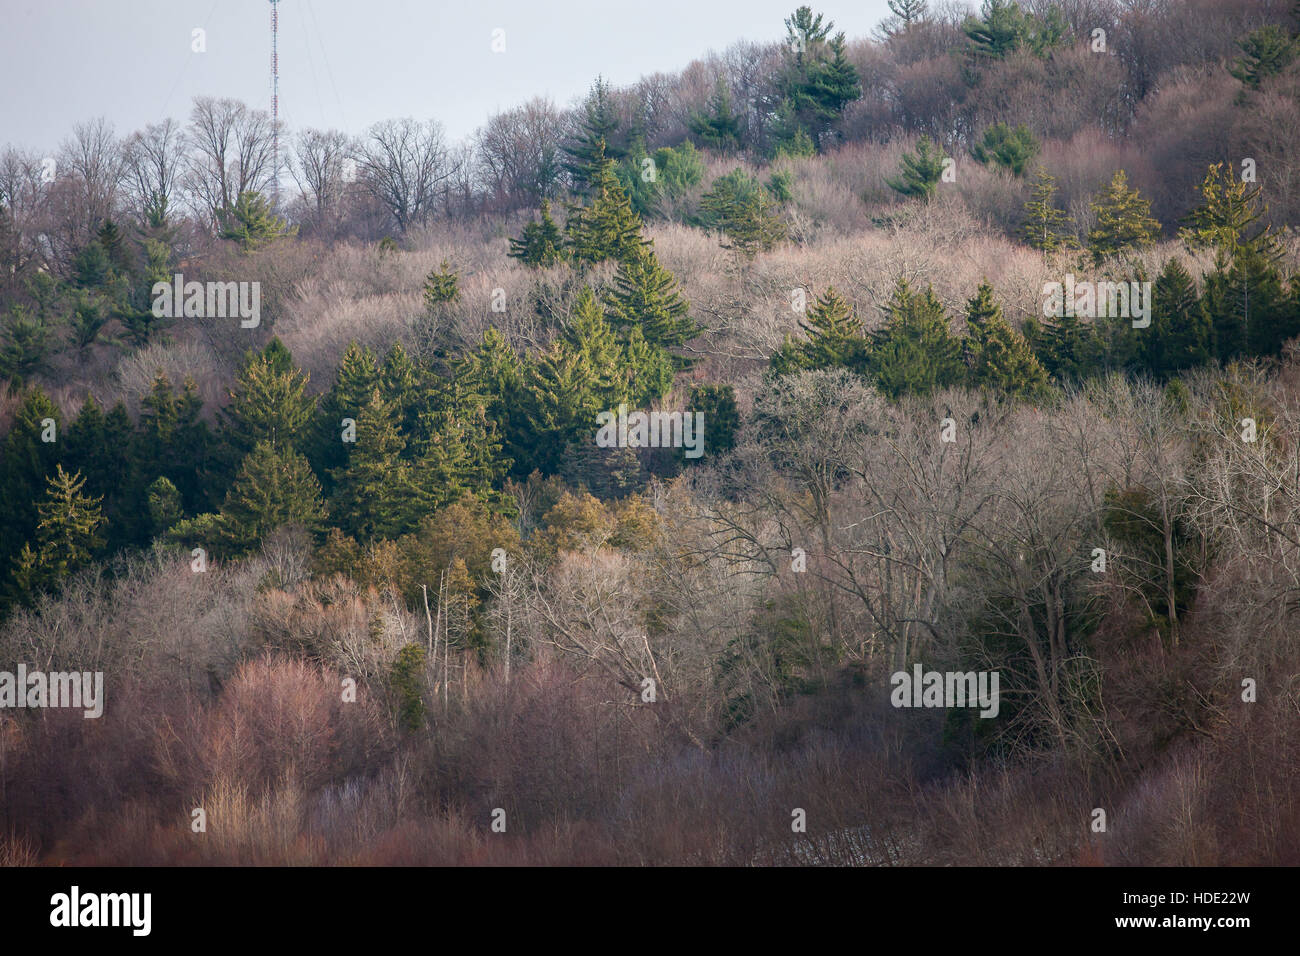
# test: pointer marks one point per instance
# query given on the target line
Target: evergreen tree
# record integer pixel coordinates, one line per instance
(719, 129)
(645, 296)
(1069, 348)
(356, 379)
(738, 206)
(441, 287)
(25, 345)
(835, 339)
(596, 140)
(541, 244)
(1248, 306)
(916, 351)
(1045, 227)
(27, 461)
(496, 372)
(1228, 217)
(1002, 27)
(269, 402)
(1181, 335)
(721, 416)
(251, 222)
(908, 12)
(67, 535)
(608, 228)
(999, 358)
(920, 172)
(1266, 52)
(375, 495)
(98, 447)
(1123, 219)
(1012, 149)
(275, 487)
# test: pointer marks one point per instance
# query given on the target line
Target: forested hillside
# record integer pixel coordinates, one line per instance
(988, 326)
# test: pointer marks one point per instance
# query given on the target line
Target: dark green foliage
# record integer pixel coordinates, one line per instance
(1011, 149)
(835, 339)
(251, 222)
(408, 683)
(1003, 27)
(541, 244)
(67, 536)
(721, 416)
(738, 206)
(1181, 335)
(915, 352)
(608, 227)
(1123, 219)
(719, 128)
(25, 344)
(645, 296)
(998, 357)
(597, 139)
(1266, 52)
(920, 172)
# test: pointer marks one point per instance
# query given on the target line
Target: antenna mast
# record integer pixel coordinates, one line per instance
(275, 102)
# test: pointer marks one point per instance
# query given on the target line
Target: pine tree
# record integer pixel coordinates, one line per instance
(916, 351)
(1123, 219)
(645, 296)
(275, 487)
(1266, 52)
(374, 493)
(67, 535)
(608, 228)
(908, 12)
(920, 172)
(1012, 149)
(1045, 227)
(541, 244)
(596, 140)
(98, 446)
(26, 463)
(251, 222)
(999, 357)
(835, 339)
(457, 452)
(269, 402)
(718, 129)
(1181, 335)
(496, 372)
(1228, 217)
(738, 206)
(1069, 348)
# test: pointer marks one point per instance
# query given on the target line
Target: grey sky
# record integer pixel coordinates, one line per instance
(346, 64)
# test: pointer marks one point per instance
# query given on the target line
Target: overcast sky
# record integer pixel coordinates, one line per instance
(345, 64)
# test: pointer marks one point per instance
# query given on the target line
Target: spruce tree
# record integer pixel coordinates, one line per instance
(357, 377)
(540, 245)
(268, 402)
(596, 139)
(375, 495)
(999, 358)
(645, 296)
(919, 175)
(1045, 227)
(607, 228)
(835, 339)
(251, 222)
(274, 487)
(915, 352)
(1181, 335)
(1123, 219)
(67, 535)
(26, 463)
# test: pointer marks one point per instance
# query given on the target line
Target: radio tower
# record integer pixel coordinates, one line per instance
(275, 103)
